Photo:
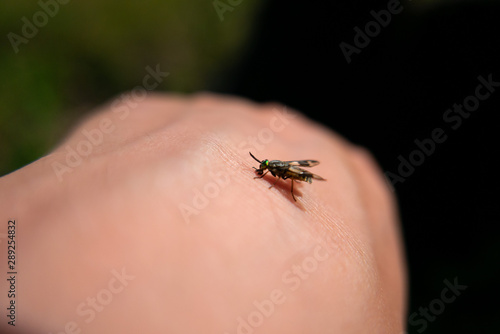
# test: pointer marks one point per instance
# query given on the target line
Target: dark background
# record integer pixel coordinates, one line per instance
(395, 91)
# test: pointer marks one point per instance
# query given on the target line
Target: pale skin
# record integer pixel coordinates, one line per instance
(167, 201)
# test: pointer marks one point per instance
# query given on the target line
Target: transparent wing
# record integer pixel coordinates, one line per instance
(317, 177)
(303, 174)
(299, 171)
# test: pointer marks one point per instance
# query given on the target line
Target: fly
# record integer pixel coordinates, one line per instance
(287, 170)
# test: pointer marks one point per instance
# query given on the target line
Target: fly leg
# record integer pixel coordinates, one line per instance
(277, 179)
(260, 177)
(292, 192)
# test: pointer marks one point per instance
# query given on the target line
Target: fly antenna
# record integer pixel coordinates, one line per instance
(254, 157)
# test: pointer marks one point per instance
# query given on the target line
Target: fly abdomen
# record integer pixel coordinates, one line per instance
(307, 178)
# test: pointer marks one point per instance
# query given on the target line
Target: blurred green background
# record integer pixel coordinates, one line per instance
(85, 53)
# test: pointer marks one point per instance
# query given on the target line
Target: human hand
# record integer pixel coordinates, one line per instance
(148, 219)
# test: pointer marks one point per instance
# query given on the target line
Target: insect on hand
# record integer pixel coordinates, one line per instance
(287, 170)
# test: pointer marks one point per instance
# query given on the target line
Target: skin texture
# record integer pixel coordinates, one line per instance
(162, 228)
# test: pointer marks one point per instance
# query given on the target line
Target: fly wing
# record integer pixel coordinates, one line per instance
(302, 163)
(317, 177)
(297, 170)
(302, 174)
